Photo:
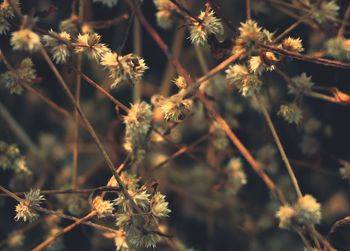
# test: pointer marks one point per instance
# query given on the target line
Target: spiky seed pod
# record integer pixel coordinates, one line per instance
(25, 209)
(285, 216)
(301, 84)
(292, 44)
(291, 113)
(90, 43)
(26, 40)
(308, 210)
(58, 47)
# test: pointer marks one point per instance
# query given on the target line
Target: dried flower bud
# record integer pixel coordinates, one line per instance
(102, 207)
(291, 113)
(285, 214)
(58, 48)
(199, 31)
(292, 44)
(308, 210)
(236, 176)
(326, 10)
(301, 84)
(6, 13)
(123, 68)
(166, 13)
(159, 206)
(90, 44)
(25, 210)
(175, 108)
(25, 40)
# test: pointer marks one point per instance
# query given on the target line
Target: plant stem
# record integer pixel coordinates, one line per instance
(279, 146)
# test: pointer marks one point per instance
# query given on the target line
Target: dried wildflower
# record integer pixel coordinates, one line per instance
(25, 40)
(292, 44)
(11, 158)
(25, 209)
(89, 43)
(308, 210)
(13, 79)
(345, 170)
(108, 3)
(139, 236)
(338, 48)
(123, 68)
(291, 113)
(285, 214)
(209, 25)
(120, 241)
(249, 35)
(301, 84)
(247, 83)
(58, 47)
(70, 25)
(102, 207)
(180, 82)
(6, 13)
(138, 124)
(326, 10)
(165, 14)
(159, 206)
(236, 176)
(175, 108)
(258, 64)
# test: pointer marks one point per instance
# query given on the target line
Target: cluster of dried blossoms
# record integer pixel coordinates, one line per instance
(138, 217)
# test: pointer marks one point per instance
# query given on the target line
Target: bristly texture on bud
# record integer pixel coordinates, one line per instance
(89, 43)
(208, 25)
(263, 62)
(240, 76)
(25, 210)
(6, 13)
(11, 158)
(308, 210)
(181, 83)
(345, 170)
(326, 10)
(166, 13)
(175, 108)
(338, 48)
(120, 241)
(58, 48)
(285, 215)
(138, 124)
(123, 68)
(13, 79)
(292, 44)
(26, 40)
(301, 84)
(108, 3)
(102, 207)
(139, 232)
(291, 113)
(236, 176)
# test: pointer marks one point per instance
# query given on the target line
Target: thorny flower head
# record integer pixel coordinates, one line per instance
(138, 124)
(25, 209)
(26, 40)
(308, 210)
(123, 68)
(120, 241)
(338, 48)
(240, 76)
(159, 206)
(285, 214)
(291, 113)
(89, 43)
(326, 10)
(176, 108)
(11, 158)
(199, 31)
(13, 79)
(263, 62)
(60, 51)
(301, 84)
(181, 83)
(165, 14)
(292, 44)
(6, 13)
(102, 207)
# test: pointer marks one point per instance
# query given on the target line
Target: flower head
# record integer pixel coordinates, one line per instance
(123, 68)
(102, 207)
(326, 10)
(176, 108)
(165, 14)
(6, 13)
(209, 24)
(58, 47)
(301, 84)
(345, 170)
(25, 209)
(292, 44)
(285, 215)
(291, 113)
(159, 206)
(25, 39)
(236, 176)
(308, 210)
(89, 43)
